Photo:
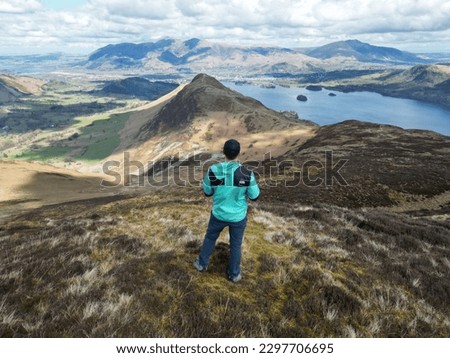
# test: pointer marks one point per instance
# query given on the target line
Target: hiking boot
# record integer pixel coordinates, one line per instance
(199, 267)
(235, 279)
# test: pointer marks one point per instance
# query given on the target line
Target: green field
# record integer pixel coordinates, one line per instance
(45, 154)
(101, 137)
(94, 141)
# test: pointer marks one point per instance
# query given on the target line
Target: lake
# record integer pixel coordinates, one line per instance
(367, 106)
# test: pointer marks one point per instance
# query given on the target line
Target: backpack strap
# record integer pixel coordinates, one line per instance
(242, 176)
(214, 180)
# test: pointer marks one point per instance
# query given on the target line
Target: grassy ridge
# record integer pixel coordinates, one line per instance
(124, 269)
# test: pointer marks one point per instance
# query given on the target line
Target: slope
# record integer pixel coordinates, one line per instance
(361, 164)
(13, 87)
(26, 185)
(124, 269)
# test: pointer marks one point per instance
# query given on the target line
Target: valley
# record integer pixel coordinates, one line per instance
(66, 123)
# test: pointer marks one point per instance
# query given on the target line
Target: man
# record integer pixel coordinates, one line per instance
(230, 184)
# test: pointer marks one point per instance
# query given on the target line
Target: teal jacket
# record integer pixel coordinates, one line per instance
(230, 184)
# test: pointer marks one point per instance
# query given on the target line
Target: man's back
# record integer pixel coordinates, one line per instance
(230, 184)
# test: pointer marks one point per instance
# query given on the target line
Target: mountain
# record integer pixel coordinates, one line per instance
(205, 95)
(364, 52)
(426, 75)
(197, 118)
(195, 55)
(139, 87)
(39, 63)
(192, 54)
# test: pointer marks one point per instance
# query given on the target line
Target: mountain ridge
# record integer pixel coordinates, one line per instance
(195, 53)
(14, 87)
(381, 163)
(365, 52)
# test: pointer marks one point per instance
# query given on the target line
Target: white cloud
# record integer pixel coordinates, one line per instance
(25, 25)
(19, 6)
(154, 10)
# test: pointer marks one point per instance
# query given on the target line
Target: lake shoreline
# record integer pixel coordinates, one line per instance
(351, 102)
(390, 92)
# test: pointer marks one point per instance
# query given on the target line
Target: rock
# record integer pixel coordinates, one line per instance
(331, 94)
(302, 98)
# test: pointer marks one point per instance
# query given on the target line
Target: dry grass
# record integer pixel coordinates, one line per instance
(24, 84)
(124, 269)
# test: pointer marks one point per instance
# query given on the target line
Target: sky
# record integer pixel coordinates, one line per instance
(82, 26)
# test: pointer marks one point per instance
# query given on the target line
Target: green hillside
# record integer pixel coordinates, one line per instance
(93, 142)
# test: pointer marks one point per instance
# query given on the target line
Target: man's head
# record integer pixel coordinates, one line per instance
(231, 149)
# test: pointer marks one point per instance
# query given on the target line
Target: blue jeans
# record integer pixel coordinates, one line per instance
(215, 227)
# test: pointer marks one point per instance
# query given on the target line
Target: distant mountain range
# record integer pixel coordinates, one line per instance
(196, 55)
(364, 52)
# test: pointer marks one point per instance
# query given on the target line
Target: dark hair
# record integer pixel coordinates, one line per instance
(231, 148)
